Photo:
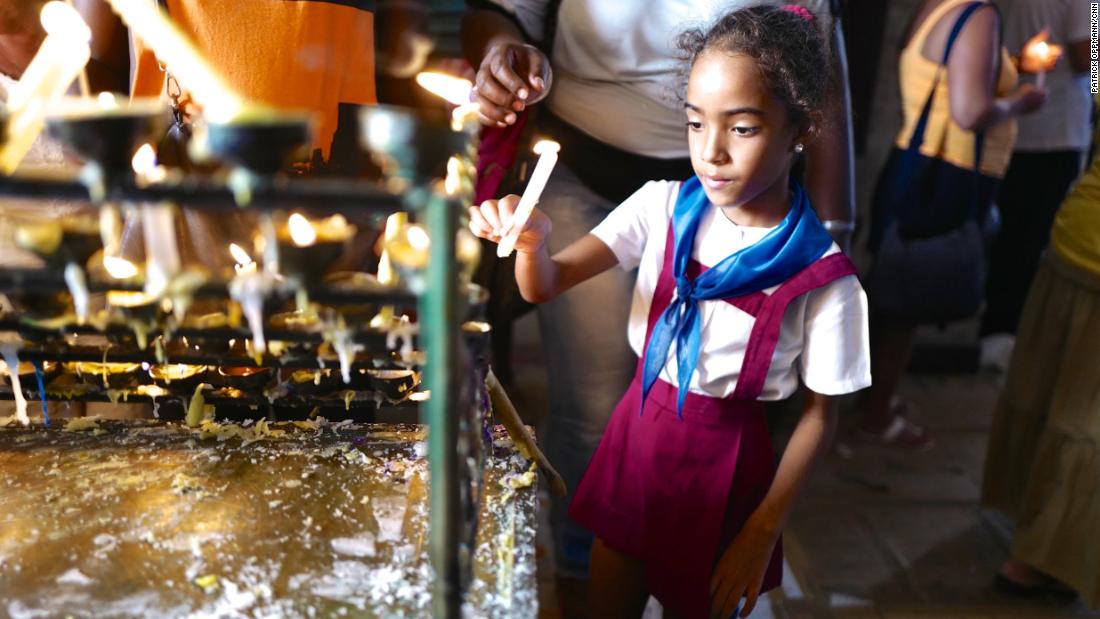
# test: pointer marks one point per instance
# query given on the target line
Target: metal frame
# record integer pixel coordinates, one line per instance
(441, 310)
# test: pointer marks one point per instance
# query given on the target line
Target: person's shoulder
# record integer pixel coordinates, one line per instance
(655, 195)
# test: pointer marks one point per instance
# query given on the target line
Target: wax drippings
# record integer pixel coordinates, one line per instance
(78, 288)
(249, 289)
(10, 353)
(42, 392)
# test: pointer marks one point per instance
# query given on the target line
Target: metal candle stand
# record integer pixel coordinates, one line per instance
(413, 152)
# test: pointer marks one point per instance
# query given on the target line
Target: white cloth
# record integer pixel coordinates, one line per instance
(617, 70)
(1063, 123)
(824, 335)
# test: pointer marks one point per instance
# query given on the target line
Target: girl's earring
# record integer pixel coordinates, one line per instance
(798, 148)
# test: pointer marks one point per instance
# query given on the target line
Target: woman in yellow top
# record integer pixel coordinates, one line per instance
(1043, 464)
(974, 97)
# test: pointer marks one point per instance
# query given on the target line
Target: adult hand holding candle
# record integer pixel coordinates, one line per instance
(548, 157)
(1039, 56)
(456, 91)
(59, 60)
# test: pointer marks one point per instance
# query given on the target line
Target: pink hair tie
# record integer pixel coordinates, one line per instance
(800, 11)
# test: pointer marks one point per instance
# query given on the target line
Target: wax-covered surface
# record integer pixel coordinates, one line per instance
(151, 519)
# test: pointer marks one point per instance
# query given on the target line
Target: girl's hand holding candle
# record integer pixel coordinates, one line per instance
(487, 222)
(515, 222)
(1039, 56)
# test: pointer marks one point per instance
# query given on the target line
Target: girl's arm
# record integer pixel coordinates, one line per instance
(972, 78)
(740, 572)
(540, 276)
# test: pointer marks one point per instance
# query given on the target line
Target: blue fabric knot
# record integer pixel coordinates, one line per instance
(685, 288)
(798, 241)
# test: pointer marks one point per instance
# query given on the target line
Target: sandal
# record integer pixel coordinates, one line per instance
(900, 432)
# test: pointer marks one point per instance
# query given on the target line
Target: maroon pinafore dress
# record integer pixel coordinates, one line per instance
(674, 492)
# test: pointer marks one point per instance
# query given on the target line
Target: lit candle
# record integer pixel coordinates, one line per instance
(456, 91)
(548, 157)
(245, 263)
(159, 230)
(453, 182)
(146, 20)
(59, 59)
(119, 268)
(301, 231)
(144, 163)
(1040, 56)
(394, 224)
(386, 273)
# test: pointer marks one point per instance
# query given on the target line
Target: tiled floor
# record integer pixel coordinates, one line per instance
(878, 533)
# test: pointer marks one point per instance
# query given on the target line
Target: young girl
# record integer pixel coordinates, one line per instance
(740, 291)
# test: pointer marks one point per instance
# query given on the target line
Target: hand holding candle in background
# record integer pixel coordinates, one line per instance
(1039, 55)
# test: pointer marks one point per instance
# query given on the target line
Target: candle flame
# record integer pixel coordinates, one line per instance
(453, 182)
(144, 160)
(61, 20)
(239, 254)
(467, 112)
(418, 238)
(301, 231)
(108, 101)
(119, 268)
(455, 90)
(546, 146)
(1042, 50)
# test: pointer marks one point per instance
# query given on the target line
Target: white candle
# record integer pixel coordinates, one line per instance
(158, 224)
(1042, 53)
(386, 273)
(245, 264)
(146, 20)
(59, 59)
(10, 353)
(548, 157)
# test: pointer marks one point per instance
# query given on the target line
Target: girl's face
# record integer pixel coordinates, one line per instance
(740, 137)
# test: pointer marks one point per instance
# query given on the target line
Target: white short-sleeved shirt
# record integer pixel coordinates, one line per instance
(616, 64)
(824, 334)
(1063, 122)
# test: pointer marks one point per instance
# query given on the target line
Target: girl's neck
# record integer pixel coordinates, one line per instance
(766, 210)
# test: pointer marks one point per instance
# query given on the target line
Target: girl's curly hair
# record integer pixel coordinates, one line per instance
(788, 48)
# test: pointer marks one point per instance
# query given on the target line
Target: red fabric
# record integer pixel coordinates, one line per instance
(496, 154)
(674, 492)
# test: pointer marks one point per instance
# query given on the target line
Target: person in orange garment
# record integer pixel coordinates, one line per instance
(313, 55)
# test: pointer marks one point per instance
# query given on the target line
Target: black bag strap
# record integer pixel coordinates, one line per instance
(915, 140)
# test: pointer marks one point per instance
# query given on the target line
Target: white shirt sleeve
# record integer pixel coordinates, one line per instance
(836, 355)
(626, 229)
(531, 14)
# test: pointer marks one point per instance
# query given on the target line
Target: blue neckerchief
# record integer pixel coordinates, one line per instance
(792, 246)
